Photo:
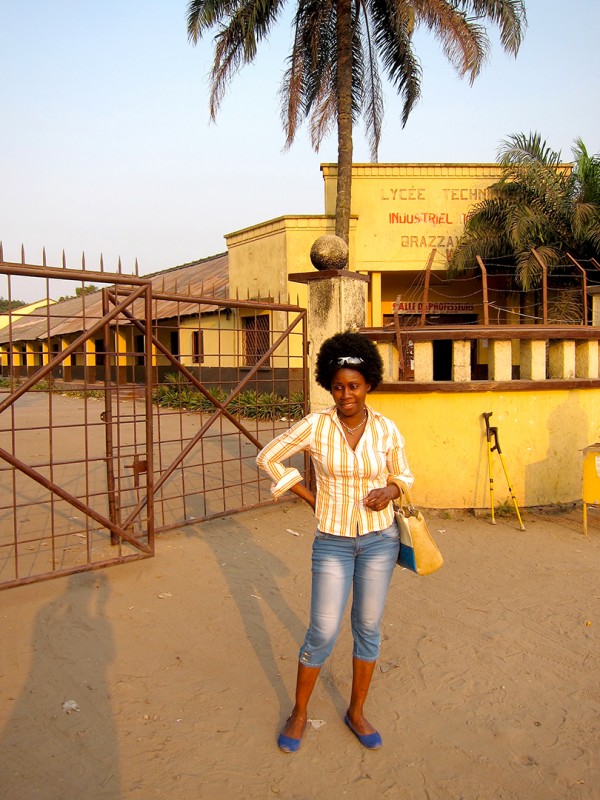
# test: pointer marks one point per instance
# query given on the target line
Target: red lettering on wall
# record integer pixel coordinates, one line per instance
(423, 218)
(401, 194)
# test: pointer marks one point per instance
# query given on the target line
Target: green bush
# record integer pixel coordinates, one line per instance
(176, 392)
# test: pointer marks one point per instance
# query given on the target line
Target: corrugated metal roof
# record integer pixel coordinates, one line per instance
(206, 278)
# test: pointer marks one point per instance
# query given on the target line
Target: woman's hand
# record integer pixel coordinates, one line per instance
(378, 499)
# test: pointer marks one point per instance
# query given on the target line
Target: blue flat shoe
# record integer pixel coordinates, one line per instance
(288, 745)
(372, 741)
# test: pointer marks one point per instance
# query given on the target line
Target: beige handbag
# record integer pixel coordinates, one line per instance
(418, 551)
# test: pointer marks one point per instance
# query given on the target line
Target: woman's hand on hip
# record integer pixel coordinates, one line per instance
(378, 499)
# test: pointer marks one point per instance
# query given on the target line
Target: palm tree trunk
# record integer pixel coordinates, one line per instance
(344, 118)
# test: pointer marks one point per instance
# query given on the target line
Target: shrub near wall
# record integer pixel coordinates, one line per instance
(176, 392)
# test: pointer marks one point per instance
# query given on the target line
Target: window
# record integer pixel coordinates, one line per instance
(197, 347)
(140, 349)
(174, 342)
(99, 350)
(256, 338)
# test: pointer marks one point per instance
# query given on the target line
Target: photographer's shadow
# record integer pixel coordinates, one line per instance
(60, 735)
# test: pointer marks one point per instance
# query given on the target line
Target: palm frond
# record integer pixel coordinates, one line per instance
(520, 149)
(291, 93)
(372, 101)
(586, 174)
(486, 235)
(464, 42)
(509, 16)
(242, 26)
(528, 271)
(527, 227)
(585, 217)
(392, 29)
(323, 114)
(204, 14)
(464, 256)
(309, 79)
(488, 212)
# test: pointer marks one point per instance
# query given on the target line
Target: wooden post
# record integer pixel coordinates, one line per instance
(484, 286)
(426, 287)
(399, 342)
(542, 264)
(584, 287)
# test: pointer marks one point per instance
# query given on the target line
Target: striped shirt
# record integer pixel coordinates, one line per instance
(344, 476)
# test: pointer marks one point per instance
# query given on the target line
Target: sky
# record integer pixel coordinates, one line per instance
(106, 145)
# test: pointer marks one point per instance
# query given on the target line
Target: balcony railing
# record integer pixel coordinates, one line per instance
(480, 358)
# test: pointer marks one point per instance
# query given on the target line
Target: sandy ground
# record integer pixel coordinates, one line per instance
(182, 669)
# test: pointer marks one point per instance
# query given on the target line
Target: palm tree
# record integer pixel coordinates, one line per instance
(539, 202)
(339, 49)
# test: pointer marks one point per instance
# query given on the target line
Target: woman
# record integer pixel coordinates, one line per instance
(358, 456)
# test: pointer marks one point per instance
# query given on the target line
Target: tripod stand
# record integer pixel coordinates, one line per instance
(492, 432)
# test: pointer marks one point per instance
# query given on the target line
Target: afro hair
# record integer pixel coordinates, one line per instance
(353, 345)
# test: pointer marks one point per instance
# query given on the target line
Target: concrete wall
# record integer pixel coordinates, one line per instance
(261, 257)
(541, 434)
(220, 340)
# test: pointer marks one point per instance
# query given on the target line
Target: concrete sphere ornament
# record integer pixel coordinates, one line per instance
(329, 252)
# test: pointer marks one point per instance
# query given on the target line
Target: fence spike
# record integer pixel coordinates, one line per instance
(83, 260)
(136, 269)
(43, 256)
(1, 252)
(64, 260)
(119, 267)
(22, 254)
(101, 263)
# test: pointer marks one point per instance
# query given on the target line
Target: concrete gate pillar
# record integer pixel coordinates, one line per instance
(337, 302)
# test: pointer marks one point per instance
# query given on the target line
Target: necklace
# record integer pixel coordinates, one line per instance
(356, 427)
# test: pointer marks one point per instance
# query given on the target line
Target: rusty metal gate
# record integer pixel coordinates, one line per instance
(132, 408)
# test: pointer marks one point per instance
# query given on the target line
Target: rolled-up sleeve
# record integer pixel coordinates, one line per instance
(271, 457)
(396, 459)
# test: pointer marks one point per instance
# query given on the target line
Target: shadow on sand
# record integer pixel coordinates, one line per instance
(71, 649)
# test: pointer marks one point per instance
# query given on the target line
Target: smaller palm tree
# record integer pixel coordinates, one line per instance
(539, 202)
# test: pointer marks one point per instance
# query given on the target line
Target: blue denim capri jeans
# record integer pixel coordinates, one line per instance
(339, 563)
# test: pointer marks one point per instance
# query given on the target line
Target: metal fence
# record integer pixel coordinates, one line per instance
(131, 410)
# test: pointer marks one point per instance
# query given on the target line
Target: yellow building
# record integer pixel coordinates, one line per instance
(541, 382)
(401, 214)
(541, 385)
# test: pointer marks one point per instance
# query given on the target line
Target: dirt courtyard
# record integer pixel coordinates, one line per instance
(170, 677)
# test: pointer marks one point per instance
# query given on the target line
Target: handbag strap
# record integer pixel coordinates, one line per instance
(405, 500)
